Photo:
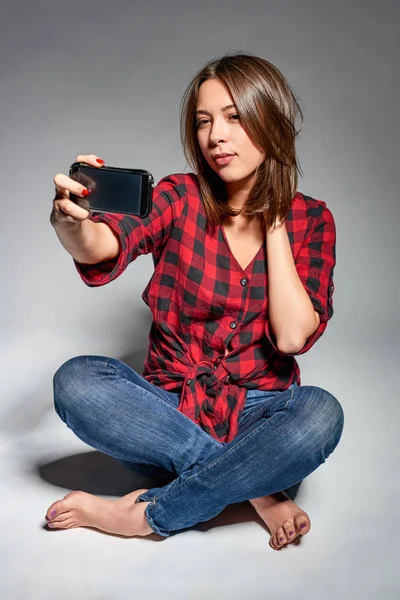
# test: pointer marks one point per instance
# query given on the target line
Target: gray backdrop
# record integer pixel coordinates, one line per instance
(107, 78)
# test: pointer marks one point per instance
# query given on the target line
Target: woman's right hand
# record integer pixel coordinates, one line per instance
(65, 213)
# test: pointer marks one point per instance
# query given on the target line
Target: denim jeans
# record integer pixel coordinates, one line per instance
(283, 436)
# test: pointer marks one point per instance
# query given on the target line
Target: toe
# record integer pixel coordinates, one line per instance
(66, 524)
(56, 509)
(290, 530)
(67, 503)
(272, 542)
(280, 539)
(302, 523)
(61, 518)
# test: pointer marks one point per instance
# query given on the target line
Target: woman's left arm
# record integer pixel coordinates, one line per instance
(297, 286)
(291, 314)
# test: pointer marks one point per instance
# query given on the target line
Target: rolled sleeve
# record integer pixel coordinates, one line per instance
(98, 274)
(309, 343)
(312, 339)
(315, 264)
(137, 236)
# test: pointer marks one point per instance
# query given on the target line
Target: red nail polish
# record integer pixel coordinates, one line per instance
(85, 193)
(99, 160)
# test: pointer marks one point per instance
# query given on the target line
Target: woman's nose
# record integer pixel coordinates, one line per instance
(218, 134)
(218, 140)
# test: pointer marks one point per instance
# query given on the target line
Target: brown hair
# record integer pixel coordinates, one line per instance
(267, 108)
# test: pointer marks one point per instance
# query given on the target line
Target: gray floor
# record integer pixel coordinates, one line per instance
(352, 500)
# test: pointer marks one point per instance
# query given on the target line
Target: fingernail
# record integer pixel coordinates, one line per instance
(99, 160)
(85, 193)
(53, 514)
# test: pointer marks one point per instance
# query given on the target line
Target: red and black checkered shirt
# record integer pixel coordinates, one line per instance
(202, 300)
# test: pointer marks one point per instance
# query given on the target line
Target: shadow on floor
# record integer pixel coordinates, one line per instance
(99, 474)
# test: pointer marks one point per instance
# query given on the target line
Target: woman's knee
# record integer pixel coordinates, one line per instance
(324, 415)
(73, 380)
(334, 413)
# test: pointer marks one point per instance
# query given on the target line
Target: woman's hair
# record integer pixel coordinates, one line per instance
(267, 108)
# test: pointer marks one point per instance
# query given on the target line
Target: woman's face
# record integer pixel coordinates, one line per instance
(220, 131)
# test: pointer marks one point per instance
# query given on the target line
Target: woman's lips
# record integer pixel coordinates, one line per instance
(225, 160)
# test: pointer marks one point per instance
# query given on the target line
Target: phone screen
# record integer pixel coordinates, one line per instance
(112, 189)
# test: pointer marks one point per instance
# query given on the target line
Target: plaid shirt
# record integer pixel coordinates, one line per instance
(202, 300)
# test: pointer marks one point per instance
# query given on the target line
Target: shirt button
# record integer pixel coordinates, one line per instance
(215, 367)
(189, 381)
(233, 325)
(244, 281)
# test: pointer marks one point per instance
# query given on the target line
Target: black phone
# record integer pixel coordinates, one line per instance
(114, 189)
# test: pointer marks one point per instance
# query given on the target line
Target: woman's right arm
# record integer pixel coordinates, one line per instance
(89, 243)
(103, 244)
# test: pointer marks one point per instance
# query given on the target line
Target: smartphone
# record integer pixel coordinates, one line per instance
(114, 189)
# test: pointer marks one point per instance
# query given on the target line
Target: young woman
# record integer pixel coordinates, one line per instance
(242, 283)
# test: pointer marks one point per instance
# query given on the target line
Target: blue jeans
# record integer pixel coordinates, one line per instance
(283, 437)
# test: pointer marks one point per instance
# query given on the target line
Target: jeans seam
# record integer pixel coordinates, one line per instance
(208, 466)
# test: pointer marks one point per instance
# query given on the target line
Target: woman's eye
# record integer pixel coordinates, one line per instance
(200, 123)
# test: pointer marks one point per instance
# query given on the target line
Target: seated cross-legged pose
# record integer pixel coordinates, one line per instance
(242, 284)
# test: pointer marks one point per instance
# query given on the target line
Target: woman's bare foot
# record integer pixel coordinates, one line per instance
(285, 520)
(121, 516)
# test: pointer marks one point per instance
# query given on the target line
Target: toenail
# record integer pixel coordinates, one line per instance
(50, 525)
(290, 532)
(53, 514)
(302, 525)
